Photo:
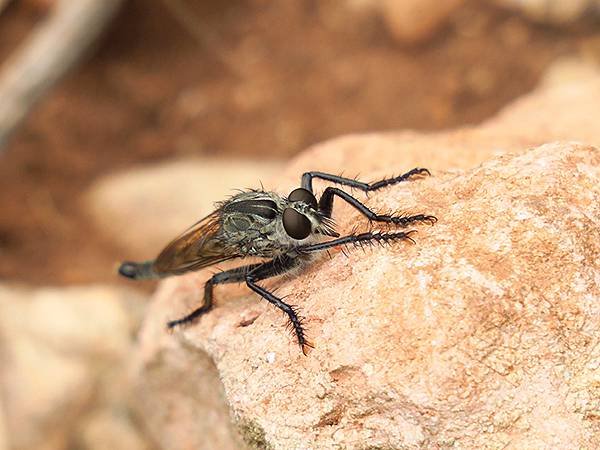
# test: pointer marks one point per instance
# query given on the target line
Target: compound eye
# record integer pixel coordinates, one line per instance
(303, 195)
(296, 225)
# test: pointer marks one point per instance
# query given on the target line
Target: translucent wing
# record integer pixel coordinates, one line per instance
(196, 248)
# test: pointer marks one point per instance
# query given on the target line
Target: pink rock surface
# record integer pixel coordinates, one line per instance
(483, 335)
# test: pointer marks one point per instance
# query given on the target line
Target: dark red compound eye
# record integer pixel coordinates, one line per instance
(296, 225)
(303, 195)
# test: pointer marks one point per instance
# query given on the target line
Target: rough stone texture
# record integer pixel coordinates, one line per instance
(177, 393)
(552, 11)
(145, 207)
(483, 335)
(63, 350)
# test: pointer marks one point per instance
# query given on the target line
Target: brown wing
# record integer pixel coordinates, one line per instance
(196, 248)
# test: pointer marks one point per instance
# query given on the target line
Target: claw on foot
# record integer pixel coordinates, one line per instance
(307, 346)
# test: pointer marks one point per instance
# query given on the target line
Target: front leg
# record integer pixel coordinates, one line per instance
(358, 239)
(236, 275)
(326, 207)
(308, 177)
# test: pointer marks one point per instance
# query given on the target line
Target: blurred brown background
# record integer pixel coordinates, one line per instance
(234, 79)
(171, 106)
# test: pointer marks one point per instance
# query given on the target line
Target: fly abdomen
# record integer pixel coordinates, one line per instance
(138, 271)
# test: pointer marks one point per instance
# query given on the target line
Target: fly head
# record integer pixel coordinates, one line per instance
(301, 217)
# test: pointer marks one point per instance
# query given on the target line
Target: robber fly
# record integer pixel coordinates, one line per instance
(286, 230)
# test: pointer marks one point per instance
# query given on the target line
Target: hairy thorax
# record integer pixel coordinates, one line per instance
(252, 224)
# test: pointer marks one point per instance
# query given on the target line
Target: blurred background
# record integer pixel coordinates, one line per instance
(122, 120)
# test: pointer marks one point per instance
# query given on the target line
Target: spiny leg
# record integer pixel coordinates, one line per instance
(326, 207)
(369, 237)
(236, 275)
(271, 269)
(367, 187)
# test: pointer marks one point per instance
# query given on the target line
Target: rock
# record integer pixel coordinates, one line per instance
(413, 21)
(483, 335)
(144, 208)
(62, 350)
(557, 12)
(178, 395)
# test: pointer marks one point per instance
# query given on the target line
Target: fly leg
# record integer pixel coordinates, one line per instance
(367, 187)
(236, 275)
(270, 269)
(358, 239)
(326, 207)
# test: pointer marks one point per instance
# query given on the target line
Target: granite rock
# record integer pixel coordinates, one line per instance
(483, 335)
(177, 393)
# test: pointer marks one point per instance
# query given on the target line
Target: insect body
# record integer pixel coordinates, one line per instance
(286, 231)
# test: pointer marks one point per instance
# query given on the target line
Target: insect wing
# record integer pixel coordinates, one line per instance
(196, 248)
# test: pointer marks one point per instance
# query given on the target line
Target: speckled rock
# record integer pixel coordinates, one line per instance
(177, 393)
(483, 335)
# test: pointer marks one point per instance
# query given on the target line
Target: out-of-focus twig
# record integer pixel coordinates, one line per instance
(52, 49)
(199, 32)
